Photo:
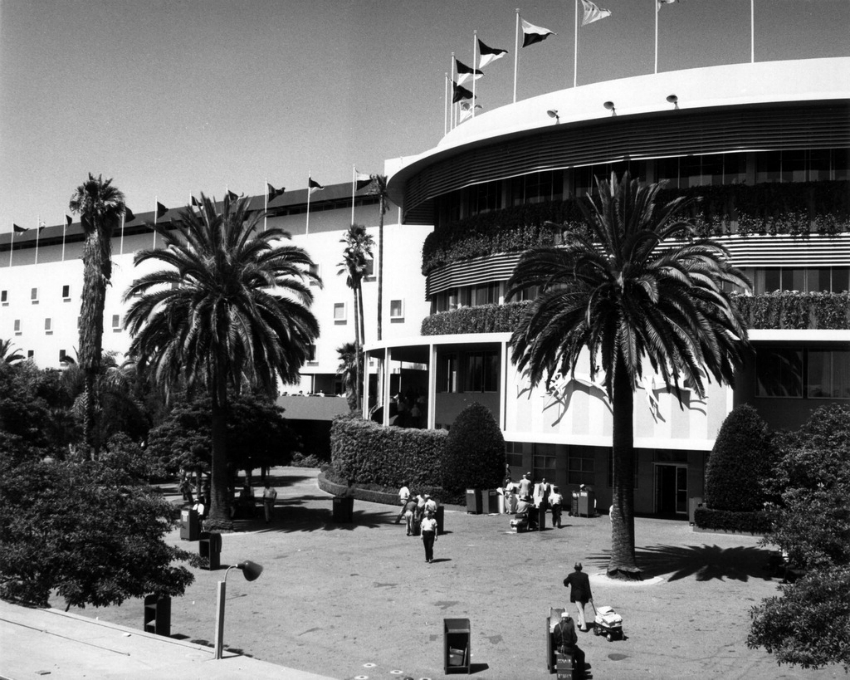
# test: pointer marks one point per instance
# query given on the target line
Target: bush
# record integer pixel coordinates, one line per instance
(741, 459)
(368, 453)
(475, 451)
(724, 520)
(484, 319)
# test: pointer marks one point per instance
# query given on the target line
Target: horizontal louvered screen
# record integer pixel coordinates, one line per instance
(809, 125)
(752, 251)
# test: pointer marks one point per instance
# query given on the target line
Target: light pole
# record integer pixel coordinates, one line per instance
(251, 570)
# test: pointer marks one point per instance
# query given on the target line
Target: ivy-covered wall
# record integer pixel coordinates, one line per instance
(773, 208)
(780, 310)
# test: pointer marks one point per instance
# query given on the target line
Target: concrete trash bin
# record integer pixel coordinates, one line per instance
(210, 547)
(473, 501)
(441, 511)
(190, 525)
(343, 511)
(157, 615)
(457, 650)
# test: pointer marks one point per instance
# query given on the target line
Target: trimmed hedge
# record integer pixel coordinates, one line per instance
(368, 453)
(797, 208)
(492, 318)
(475, 451)
(726, 520)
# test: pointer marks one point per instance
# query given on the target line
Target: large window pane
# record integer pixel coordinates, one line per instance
(779, 373)
(828, 375)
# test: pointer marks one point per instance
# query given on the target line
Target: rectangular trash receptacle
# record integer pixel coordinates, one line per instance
(157, 615)
(473, 501)
(457, 650)
(210, 547)
(190, 525)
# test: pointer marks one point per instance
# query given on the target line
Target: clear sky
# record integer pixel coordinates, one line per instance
(170, 97)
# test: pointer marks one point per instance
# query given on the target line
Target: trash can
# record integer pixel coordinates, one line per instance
(473, 501)
(551, 621)
(456, 645)
(574, 504)
(441, 511)
(693, 503)
(587, 504)
(157, 615)
(190, 525)
(491, 505)
(343, 509)
(210, 547)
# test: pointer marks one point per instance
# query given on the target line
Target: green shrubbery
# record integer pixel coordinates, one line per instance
(475, 451)
(728, 520)
(742, 457)
(795, 310)
(483, 319)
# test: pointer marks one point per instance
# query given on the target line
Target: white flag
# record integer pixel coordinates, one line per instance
(593, 13)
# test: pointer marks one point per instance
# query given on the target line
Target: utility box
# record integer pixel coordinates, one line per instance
(343, 512)
(190, 525)
(492, 505)
(210, 547)
(457, 650)
(473, 501)
(157, 615)
(441, 511)
(587, 504)
(693, 503)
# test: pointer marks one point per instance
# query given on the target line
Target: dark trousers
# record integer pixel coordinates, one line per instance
(577, 655)
(428, 539)
(541, 516)
(556, 516)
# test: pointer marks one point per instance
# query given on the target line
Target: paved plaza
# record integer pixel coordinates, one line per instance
(359, 600)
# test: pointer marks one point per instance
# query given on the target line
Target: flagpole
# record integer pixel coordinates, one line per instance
(353, 190)
(309, 177)
(657, 12)
(446, 107)
(37, 234)
(454, 108)
(474, 68)
(516, 50)
(752, 32)
(575, 57)
(155, 216)
(64, 227)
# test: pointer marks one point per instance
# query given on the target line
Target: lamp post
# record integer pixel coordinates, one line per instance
(251, 570)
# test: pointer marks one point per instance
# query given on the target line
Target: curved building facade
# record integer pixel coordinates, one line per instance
(766, 146)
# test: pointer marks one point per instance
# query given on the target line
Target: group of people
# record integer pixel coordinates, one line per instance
(419, 512)
(566, 639)
(532, 501)
(243, 505)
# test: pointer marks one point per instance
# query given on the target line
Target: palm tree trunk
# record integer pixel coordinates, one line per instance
(622, 563)
(381, 208)
(219, 517)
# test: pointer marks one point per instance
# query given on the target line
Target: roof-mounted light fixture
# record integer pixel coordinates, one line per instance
(610, 107)
(674, 100)
(553, 113)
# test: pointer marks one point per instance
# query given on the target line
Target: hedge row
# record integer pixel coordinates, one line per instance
(367, 453)
(793, 310)
(780, 310)
(772, 208)
(726, 520)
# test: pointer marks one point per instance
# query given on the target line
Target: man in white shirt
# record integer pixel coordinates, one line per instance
(403, 495)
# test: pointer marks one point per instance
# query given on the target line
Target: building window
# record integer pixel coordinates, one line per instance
(311, 354)
(116, 323)
(482, 372)
(4, 297)
(30, 354)
(370, 269)
(66, 293)
(485, 197)
(34, 296)
(48, 326)
(18, 327)
(339, 312)
(828, 375)
(396, 309)
(447, 373)
(779, 373)
(513, 454)
(543, 462)
(314, 270)
(61, 356)
(486, 294)
(580, 465)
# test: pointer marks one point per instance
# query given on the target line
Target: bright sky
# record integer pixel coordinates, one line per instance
(170, 97)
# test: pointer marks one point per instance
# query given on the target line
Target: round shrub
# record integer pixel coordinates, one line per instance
(475, 451)
(742, 457)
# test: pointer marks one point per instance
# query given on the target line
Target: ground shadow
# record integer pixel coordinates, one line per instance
(293, 517)
(477, 667)
(701, 562)
(440, 559)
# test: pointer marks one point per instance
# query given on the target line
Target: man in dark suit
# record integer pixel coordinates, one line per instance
(579, 585)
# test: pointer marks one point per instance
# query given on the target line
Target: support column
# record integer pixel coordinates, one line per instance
(387, 361)
(503, 388)
(432, 387)
(364, 408)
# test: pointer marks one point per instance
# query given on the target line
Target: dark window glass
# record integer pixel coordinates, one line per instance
(794, 166)
(712, 169)
(840, 279)
(819, 162)
(580, 465)
(447, 373)
(779, 373)
(734, 168)
(667, 169)
(772, 279)
(828, 375)
(841, 164)
(768, 166)
(66, 291)
(818, 280)
(794, 279)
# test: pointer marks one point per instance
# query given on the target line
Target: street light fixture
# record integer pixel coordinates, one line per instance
(251, 571)
(673, 99)
(610, 107)
(553, 113)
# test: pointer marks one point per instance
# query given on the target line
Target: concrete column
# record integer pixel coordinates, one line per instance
(432, 387)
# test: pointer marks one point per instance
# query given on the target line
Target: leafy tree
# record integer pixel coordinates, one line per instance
(86, 530)
(475, 451)
(743, 455)
(625, 293)
(809, 625)
(349, 362)
(7, 354)
(356, 256)
(100, 206)
(232, 306)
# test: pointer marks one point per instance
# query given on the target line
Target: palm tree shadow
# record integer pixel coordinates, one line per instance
(293, 517)
(700, 562)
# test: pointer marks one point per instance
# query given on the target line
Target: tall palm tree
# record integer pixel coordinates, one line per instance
(635, 287)
(355, 259)
(7, 354)
(100, 206)
(347, 370)
(231, 308)
(379, 187)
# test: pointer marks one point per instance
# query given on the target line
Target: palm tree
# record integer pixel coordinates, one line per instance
(7, 354)
(635, 286)
(356, 255)
(347, 370)
(231, 308)
(379, 187)
(100, 206)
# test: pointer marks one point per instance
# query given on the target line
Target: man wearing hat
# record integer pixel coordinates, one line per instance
(579, 585)
(566, 642)
(525, 485)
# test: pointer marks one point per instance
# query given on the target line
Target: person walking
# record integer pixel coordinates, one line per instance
(556, 500)
(566, 642)
(409, 511)
(269, 496)
(429, 535)
(403, 495)
(579, 585)
(525, 485)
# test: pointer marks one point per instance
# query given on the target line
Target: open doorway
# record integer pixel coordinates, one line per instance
(671, 489)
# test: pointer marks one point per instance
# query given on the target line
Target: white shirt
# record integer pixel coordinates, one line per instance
(429, 524)
(403, 494)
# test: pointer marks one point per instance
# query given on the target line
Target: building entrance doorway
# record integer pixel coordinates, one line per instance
(671, 489)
